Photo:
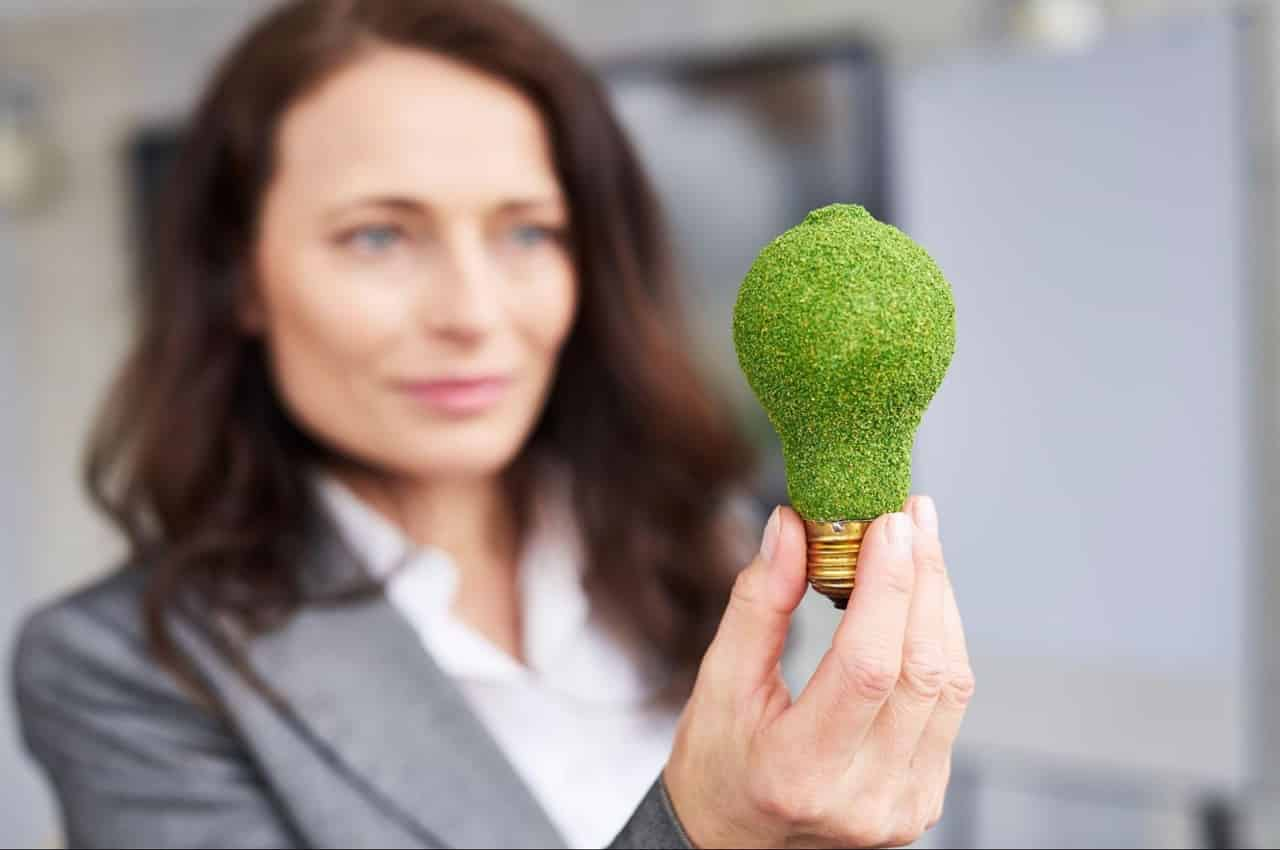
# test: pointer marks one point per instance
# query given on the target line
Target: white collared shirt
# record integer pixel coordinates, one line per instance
(578, 722)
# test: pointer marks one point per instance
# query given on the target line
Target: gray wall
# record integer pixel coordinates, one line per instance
(23, 806)
(1089, 444)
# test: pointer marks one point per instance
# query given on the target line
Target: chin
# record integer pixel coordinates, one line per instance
(466, 456)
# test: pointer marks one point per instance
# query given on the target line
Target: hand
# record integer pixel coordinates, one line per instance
(863, 756)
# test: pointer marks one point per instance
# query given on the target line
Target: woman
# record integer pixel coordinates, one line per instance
(431, 522)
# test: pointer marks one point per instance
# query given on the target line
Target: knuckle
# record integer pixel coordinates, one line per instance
(870, 677)
(805, 812)
(900, 578)
(902, 837)
(867, 836)
(798, 806)
(749, 597)
(922, 814)
(929, 558)
(960, 686)
(746, 589)
(924, 669)
(906, 828)
(871, 823)
(760, 793)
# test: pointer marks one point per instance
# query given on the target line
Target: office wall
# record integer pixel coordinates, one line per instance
(23, 805)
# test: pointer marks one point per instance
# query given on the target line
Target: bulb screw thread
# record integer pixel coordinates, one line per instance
(832, 562)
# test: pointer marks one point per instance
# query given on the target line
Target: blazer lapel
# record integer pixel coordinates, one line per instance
(357, 676)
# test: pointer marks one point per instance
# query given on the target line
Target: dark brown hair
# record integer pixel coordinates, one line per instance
(195, 458)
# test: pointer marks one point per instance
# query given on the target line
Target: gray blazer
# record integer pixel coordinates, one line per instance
(369, 744)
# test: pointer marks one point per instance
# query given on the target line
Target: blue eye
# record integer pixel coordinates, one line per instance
(375, 239)
(531, 235)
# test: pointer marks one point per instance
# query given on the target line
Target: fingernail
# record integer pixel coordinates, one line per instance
(898, 529)
(925, 513)
(770, 541)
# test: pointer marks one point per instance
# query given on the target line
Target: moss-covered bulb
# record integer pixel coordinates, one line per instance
(844, 328)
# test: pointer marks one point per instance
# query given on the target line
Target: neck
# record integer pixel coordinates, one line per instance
(470, 518)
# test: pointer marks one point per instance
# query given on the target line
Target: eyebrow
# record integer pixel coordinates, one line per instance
(407, 204)
(525, 204)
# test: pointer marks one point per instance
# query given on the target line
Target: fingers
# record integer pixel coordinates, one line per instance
(934, 751)
(857, 675)
(749, 642)
(899, 727)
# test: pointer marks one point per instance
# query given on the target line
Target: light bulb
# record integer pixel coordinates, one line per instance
(844, 328)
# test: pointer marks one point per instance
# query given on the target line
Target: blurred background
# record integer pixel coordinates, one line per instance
(1096, 178)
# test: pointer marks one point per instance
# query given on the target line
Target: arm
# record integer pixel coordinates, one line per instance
(654, 824)
(133, 761)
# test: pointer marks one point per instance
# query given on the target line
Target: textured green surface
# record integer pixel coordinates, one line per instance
(844, 328)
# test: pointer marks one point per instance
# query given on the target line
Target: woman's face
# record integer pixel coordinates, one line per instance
(413, 277)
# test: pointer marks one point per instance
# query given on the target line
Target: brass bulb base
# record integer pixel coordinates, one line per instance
(833, 556)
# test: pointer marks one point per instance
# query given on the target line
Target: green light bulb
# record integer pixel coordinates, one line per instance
(844, 328)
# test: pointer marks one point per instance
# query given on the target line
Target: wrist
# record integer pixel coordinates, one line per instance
(685, 809)
(707, 822)
(674, 813)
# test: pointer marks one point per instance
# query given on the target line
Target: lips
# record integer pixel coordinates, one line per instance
(458, 396)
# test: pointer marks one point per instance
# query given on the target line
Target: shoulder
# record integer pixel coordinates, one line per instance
(102, 619)
(133, 758)
(89, 695)
(88, 647)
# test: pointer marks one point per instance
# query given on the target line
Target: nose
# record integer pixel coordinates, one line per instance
(462, 302)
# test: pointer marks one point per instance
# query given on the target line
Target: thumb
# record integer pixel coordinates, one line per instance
(748, 645)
